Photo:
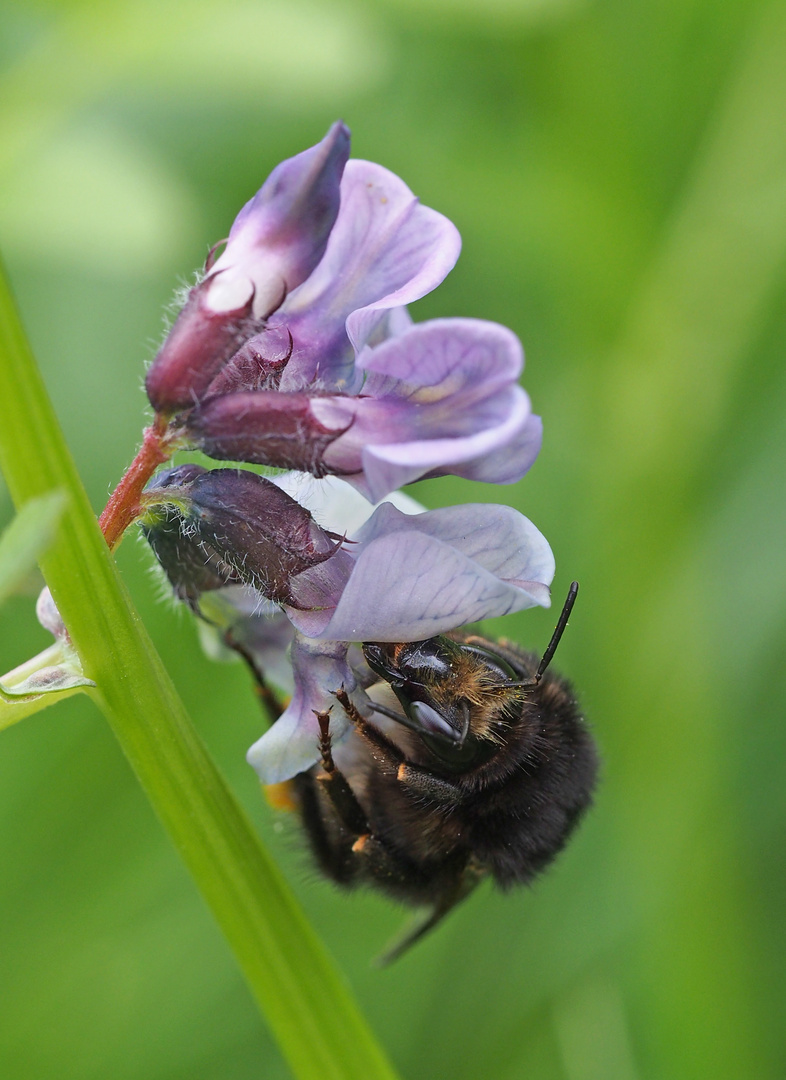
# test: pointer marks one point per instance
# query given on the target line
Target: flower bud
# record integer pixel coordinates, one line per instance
(197, 347)
(277, 239)
(264, 428)
(191, 564)
(210, 529)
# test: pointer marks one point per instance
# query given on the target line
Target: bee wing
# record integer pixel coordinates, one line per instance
(423, 923)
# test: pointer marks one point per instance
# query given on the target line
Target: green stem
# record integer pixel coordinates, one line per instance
(306, 1002)
(124, 503)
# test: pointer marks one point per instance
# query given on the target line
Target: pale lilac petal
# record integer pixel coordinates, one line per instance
(442, 397)
(49, 616)
(317, 591)
(340, 509)
(500, 452)
(385, 251)
(419, 576)
(498, 538)
(427, 245)
(335, 505)
(428, 588)
(396, 321)
(387, 467)
(281, 234)
(381, 445)
(510, 462)
(292, 743)
(465, 352)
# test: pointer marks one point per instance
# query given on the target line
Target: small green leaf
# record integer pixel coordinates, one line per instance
(29, 535)
(49, 680)
(12, 710)
(43, 680)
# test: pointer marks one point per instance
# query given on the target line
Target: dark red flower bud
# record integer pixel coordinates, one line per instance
(213, 528)
(258, 365)
(197, 347)
(192, 566)
(266, 428)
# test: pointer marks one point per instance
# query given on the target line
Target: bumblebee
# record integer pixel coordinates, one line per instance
(474, 762)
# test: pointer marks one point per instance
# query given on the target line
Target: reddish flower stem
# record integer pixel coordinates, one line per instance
(124, 504)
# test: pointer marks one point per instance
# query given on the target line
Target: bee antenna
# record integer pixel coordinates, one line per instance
(556, 637)
(559, 630)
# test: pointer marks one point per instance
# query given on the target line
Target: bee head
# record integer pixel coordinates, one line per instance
(448, 691)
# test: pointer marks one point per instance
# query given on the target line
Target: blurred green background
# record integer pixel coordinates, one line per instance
(618, 174)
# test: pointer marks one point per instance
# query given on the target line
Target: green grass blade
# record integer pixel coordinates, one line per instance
(28, 536)
(306, 1002)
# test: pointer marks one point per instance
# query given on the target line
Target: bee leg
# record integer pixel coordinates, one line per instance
(424, 924)
(383, 865)
(366, 852)
(334, 784)
(266, 697)
(415, 779)
(329, 852)
(385, 752)
(426, 785)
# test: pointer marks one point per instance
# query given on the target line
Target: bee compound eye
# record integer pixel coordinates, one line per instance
(378, 659)
(373, 653)
(431, 722)
(493, 662)
(426, 660)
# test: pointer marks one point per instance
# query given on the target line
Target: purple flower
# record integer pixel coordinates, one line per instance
(413, 576)
(297, 351)
(334, 252)
(442, 397)
(385, 251)
(400, 576)
(275, 243)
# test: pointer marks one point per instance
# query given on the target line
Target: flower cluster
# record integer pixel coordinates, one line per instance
(295, 350)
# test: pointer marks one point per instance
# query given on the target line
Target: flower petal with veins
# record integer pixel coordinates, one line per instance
(418, 576)
(385, 251)
(292, 743)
